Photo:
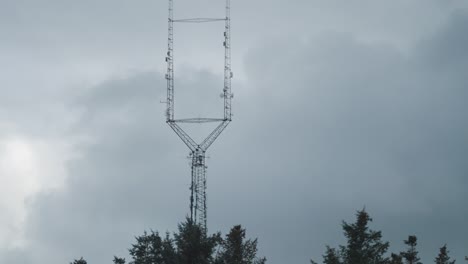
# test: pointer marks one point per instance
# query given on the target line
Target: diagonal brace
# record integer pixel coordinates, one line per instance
(184, 136)
(213, 136)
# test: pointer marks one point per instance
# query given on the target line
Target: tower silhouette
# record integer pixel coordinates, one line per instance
(198, 206)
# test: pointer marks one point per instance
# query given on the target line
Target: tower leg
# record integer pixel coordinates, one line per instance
(198, 189)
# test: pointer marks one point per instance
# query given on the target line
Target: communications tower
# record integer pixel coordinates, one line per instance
(198, 206)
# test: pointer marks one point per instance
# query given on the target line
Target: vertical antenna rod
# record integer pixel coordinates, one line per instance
(170, 64)
(198, 207)
(227, 64)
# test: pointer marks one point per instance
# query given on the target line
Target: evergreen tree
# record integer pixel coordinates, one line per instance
(332, 256)
(79, 261)
(411, 254)
(236, 250)
(152, 249)
(118, 260)
(140, 251)
(168, 252)
(363, 244)
(193, 245)
(443, 257)
(395, 259)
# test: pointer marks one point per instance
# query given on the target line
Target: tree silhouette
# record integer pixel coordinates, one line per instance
(119, 260)
(236, 250)
(332, 256)
(79, 261)
(396, 259)
(443, 257)
(363, 244)
(152, 249)
(411, 254)
(193, 245)
(168, 252)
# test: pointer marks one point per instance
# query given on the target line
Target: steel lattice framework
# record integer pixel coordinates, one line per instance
(198, 207)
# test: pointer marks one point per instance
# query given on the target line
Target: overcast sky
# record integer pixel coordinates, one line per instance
(338, 105)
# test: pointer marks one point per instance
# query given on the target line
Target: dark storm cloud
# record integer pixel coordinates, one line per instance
(131, 177)
(117, 188)
(328, 126)
(357, 124)
(324, 124)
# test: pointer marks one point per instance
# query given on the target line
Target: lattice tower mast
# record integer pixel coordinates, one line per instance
(198, 206)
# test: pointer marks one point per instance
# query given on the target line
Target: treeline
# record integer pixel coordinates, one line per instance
(192, 246)
(365, 246)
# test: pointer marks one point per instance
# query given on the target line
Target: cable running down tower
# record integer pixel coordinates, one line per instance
(198, 205)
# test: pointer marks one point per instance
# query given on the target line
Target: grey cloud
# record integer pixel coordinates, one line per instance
(324, 124)
(16, 256)
(375, 127)
(120, 30)
(133, 176)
